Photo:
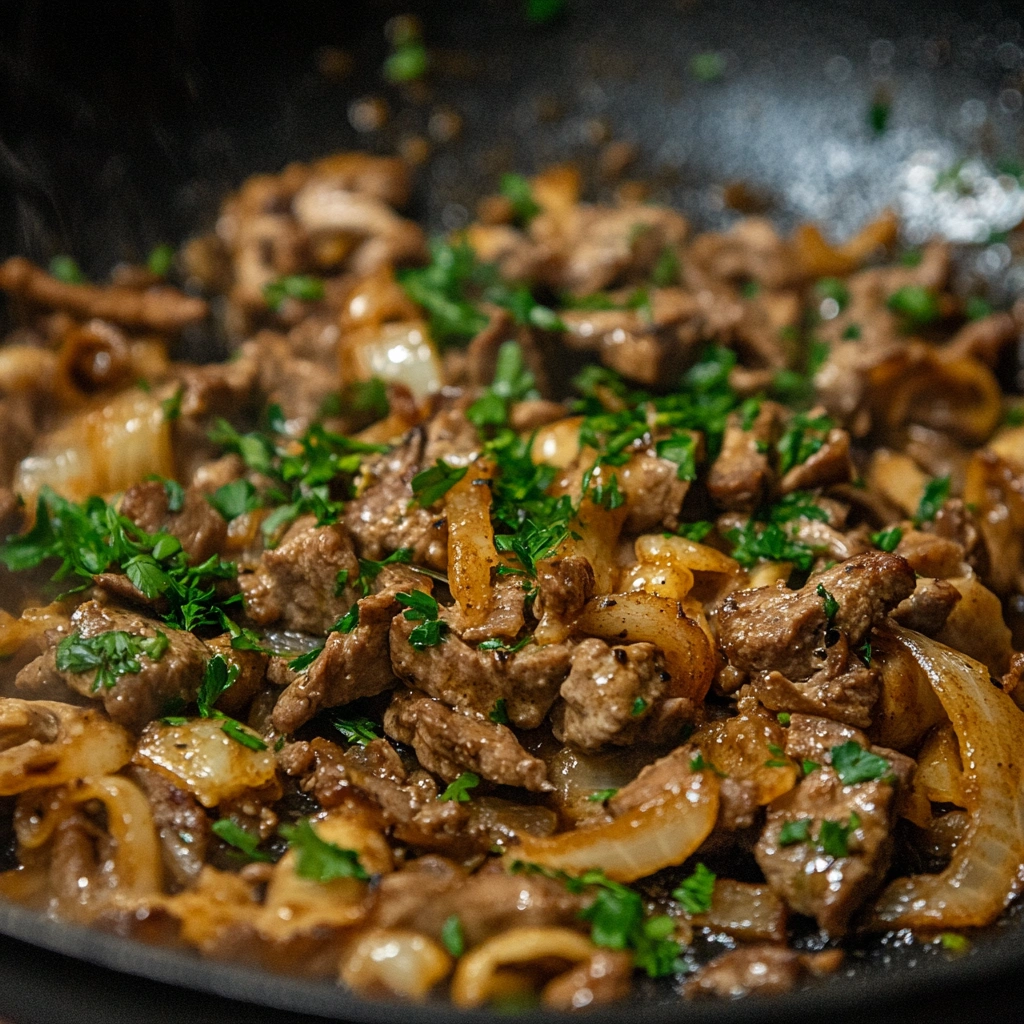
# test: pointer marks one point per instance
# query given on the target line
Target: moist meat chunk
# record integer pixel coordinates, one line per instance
(616, 694)
(564, 585)
(383, 518)
(464, 677)
(653, 491)
(762, 970)
(138, 697)
(504, 619)
(200, 528)
(826, 846)
(604, 978)
(295, 582)
(449, 742)
(798, 656)
(928, 607)
(740, 477)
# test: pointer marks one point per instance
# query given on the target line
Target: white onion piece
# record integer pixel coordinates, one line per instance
(984, 872)
(101, 451)
(394, 962)
(658, 834)
(401, 353)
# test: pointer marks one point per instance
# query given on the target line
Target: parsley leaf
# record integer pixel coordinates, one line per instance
(697, 891)
(161, 260)
(512, 383)
(318, 859)
(793, 832)
(422, 608)
(887, 540)
(834, 836)
(302, 287)
(638, 707)
(915, 304)
(695, 531)
(854, 764)
(218, 677)
(236, 836)
(601, 795)
(66, 269)
(804, 436)
(680, 449)
(458, 790)
(936, 492)
(347, 622)
(370, 570)
(516, 189)
(494, 644)
(233, 499)
(361, 731)
(452, 936)
(110, 655)
(499, 713)
(432, 484)
(831, 604)
(303, 661)
(236, 731)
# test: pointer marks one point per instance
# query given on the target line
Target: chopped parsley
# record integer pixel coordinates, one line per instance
(851, 332)
(234, 499)
(171, 405)
(453, 938)
(432, 484)
(696, 892)
(241, 839)
(699, 764)
(175, 494)
(302, 287)
(499, 713)
(512, 383)
(347, 622)
(708, 66)
(370, 570)
(793, 832)
(865, 652)
(681, 449)
(516, 189)
(953, 942)
(778, 758)
(303, 661)
(830, 603)
(834, 836)
(638, 707)
(887, 540)
(804, 436)
(318, 859)
(835, 289)
(666, 270)
(110, 655)
(600, 796)
(218, 678)
(495, 644)
(936, 492)
(854, 764)
(784, 717)
(92, 537)
(695, 531)
(361, 731)
(407, 61)
(65, 268)
(161, 260)
(977, 308)
(458, 790)
(916, 305)
(807, 766)
(422, 608)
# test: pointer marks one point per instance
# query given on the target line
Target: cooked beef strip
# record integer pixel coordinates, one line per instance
(928, 607)
(294, 583)
(653, 491)
(759, 970)
(464, 677)
(741, 476)
(200, 528)
(383, 519)
(449, 742)
(616, 695)
(564, 585)
(136, 698)
(504, 620)
(604, 978)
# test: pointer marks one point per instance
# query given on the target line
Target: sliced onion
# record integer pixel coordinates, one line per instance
(399, 353)
(394, 962)
(658, 834)
(471, 553)
(557, 444)
(984, 872)
(640, 616)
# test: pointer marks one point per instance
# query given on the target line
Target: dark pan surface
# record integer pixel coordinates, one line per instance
(123, 124)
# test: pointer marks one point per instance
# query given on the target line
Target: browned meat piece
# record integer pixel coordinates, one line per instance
(534, 413)
(741, 476)
(464, 677)
(181, 824)
(602, 246)
(668, 771)
(200, 528)
(983, 339)
(136, 698)
(422, 897)
(781, 629)
(810, 738)
(653, 491)
(450, 436)
(10, 512)
(383, 519)
(252, 670)
(448, 743)
(605, 978)
(516, 255)
(156, 309)
(351, 665)
(928, 607)
(299, 386)
(224, 389)
(617, 694)
(809, 873)
(294, 583)
(760, 970)
(931, 555)
(505, 619)
(752, 249)
(564, 585)
(830, 464)
(827, 540)
(17, 431)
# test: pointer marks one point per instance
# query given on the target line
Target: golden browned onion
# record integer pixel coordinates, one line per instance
(819, 258)
(394, 962)
(657, 834)
(641, 616)
(984, 871)
(471, 553)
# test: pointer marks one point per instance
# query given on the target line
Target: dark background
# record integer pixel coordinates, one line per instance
(123, 124)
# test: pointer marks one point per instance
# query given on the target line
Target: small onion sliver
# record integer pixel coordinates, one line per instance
(984, 872)
(658, 834)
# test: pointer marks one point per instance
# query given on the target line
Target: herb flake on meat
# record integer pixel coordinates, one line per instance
(110, 655)
(697, 891)
(319, 860)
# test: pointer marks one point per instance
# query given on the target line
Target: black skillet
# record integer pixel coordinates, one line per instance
(122, 124)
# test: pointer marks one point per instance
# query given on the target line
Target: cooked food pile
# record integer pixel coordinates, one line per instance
(514, 615)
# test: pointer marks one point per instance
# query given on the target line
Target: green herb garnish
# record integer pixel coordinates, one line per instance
(854, 764)
(317, 859)
(458, 790)
(696, 892)
(110, 655)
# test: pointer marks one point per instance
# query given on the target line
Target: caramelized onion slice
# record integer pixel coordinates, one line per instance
(658, 834)
(471, 553)
(984, 871)
(640, 616)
